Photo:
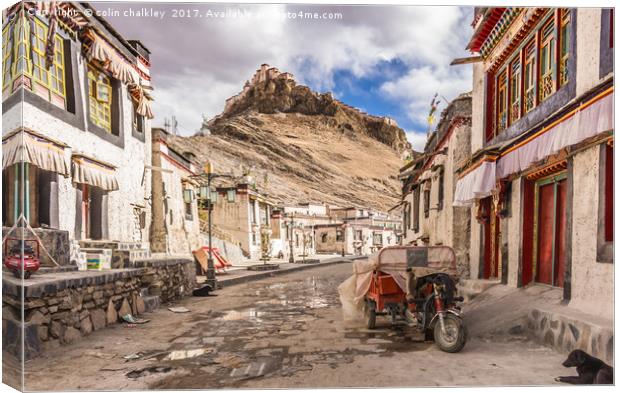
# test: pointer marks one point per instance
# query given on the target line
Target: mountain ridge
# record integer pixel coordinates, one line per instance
(301, 146)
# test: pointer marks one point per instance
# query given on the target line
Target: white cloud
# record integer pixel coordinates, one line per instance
(417, 140)
(417, 88)
(198, 63)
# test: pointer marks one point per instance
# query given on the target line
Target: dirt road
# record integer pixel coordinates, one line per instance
(281, 332)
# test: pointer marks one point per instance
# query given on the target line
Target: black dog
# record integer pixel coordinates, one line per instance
(592, 371)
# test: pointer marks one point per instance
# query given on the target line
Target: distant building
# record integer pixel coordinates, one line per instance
(175, 227)
(244, 214)
(353, 239)
(429, 184)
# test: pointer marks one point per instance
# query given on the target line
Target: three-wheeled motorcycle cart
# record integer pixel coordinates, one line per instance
(416, 285)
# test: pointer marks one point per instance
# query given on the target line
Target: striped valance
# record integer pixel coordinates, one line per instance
(24, 145)
(93, 172)
(112, 61)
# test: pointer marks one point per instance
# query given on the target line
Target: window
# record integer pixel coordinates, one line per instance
(188, 197)
(138, 122)
(407, 217)
(49, 84)
(605, 232)
(99, 98)
(564, 45)
(529, 78)
(231, 195)
(547, 60)
(427, 202)
(531, 74)
(324, 238)
(16, 53)
(339, 236)
(297, 240)
(416, 208)
(6, 55)
(377, 238)
(502, 102)
(358, 235)
(18, 47)
(440, 190)
(515, 90)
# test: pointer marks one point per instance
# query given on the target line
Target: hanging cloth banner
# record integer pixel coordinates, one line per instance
(51, 35)
(24, 145)
(93, 172)
(477, 184)
(595, 118)
(112, 61)
(141, 99)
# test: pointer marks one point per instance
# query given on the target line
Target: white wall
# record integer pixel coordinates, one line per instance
(592, 282)
(588, 48)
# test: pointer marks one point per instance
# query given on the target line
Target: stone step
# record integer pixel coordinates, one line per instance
(151, 303)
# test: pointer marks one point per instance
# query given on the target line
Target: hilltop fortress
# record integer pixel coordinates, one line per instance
(266, 74)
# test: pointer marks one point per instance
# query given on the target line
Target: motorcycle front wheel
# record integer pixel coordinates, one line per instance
(455, 335)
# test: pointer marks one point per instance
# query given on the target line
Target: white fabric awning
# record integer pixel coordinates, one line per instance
(94, 172)
(29, 146)
(112, 60)
(588, 122)
(141, 99)
(477, 184)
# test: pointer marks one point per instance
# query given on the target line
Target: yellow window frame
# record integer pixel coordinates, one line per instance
(21, 46)
(99, 102)
(7, 75)
(54, 78)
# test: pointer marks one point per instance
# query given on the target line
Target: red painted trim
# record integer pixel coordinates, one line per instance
(478, 39)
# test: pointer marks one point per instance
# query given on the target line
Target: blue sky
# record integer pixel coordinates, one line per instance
(386, 60)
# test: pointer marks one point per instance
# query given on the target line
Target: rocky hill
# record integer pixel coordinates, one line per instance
(303, 146)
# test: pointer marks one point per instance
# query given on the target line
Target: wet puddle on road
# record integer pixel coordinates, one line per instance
(291, 328)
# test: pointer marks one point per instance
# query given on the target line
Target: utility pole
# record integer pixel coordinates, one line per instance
(291, 258)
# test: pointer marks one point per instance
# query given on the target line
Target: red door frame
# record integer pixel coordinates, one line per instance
(490, 239)
(530, 252)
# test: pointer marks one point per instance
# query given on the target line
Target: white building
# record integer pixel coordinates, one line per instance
(84, 126)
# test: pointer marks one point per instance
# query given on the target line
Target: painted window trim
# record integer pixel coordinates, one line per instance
(519, 55)
(26, 76)
(93, 72)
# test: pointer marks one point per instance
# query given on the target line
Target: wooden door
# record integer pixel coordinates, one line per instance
(490, 229)
(550, 230)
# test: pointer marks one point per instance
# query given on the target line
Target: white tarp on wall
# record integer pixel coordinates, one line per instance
(588, 122)
(477, 184)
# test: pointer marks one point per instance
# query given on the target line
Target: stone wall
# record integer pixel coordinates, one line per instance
(565, 333)
(170, 279)
(60, 308)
